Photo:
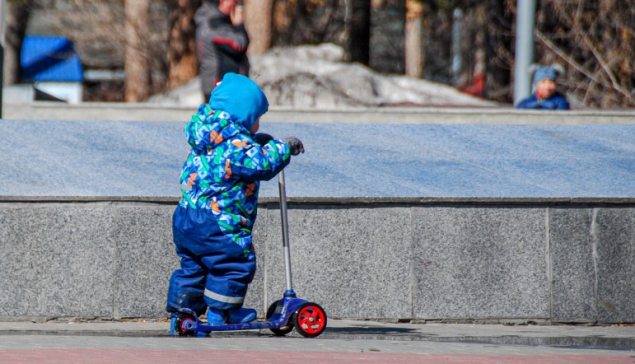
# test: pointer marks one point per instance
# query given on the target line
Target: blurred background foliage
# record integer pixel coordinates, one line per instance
(465, 43)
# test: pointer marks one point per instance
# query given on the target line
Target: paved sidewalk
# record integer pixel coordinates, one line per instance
(345, 341)
(349, 330)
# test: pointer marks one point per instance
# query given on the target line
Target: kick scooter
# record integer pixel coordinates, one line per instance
(308, 318)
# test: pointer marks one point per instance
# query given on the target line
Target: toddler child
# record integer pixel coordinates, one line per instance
(212, 225)
(545, 96)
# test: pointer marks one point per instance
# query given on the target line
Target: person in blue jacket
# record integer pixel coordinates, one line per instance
(545, 96)
(212, 225)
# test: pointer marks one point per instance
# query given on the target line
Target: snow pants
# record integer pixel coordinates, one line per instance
(215, 271)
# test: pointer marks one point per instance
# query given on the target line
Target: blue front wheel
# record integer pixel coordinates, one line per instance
(283, 330)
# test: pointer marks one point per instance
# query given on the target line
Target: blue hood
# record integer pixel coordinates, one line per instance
(544, 72)
(241, 98)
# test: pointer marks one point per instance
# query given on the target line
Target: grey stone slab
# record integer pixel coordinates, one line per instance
(56, 260)
(355, 261)
(614, 234)
(573, 267)
(256, 292)
(145, 259)
(476, 263)
(144, 158)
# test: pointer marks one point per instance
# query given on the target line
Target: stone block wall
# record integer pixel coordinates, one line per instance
(460, 259)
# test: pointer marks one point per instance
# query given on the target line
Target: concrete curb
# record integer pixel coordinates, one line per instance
(617, 338)
(383, 115)
(599, 201)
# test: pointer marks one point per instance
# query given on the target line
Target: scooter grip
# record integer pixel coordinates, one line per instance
(262, 138)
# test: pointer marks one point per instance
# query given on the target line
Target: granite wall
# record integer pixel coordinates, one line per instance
(452, 260)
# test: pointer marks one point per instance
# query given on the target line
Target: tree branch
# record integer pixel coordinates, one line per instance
(598, 56)
(541, 37)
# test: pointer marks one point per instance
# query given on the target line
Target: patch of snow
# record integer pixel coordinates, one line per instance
(188, 95)
(318, 77)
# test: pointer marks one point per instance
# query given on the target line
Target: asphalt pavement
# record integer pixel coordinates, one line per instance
(344, 341)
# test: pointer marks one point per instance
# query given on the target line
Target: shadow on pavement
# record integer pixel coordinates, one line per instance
(380, 333)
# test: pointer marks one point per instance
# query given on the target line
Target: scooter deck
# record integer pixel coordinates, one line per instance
(283, 313)
(200, 326)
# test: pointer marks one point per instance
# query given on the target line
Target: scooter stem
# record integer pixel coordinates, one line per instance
(285, 231)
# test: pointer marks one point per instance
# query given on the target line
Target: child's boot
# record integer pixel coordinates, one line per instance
(173, 325)
(215, 316)
(241, 315)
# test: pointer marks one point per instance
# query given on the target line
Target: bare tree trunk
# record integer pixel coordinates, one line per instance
(415, 52)
(16, 15)
(499, 58)
(360, 31)
(136, 64)
(258, 19)
(182, 59)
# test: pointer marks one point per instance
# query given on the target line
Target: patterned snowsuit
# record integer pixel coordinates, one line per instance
(212, 224)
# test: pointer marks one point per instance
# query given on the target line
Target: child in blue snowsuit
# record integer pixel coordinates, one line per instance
(213, 222)
(545, 96)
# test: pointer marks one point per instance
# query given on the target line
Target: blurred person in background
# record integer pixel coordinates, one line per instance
(221, 42)
(545, 96)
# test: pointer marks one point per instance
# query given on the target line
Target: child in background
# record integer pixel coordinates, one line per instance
(545, 96)
(213, 222)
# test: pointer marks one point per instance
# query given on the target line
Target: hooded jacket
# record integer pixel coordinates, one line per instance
(555, 102)
(220, 46)
(222, 172)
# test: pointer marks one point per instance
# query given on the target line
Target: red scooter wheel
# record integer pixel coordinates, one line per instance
(183, 322)
(310, 320)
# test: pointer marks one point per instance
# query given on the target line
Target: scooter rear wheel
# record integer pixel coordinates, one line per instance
(183, 321)
(310, 320)
(283, 330)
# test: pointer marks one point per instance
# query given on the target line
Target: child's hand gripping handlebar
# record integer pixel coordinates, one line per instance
(294, 143)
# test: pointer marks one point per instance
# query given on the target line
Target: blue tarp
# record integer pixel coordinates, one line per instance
(52, 59)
